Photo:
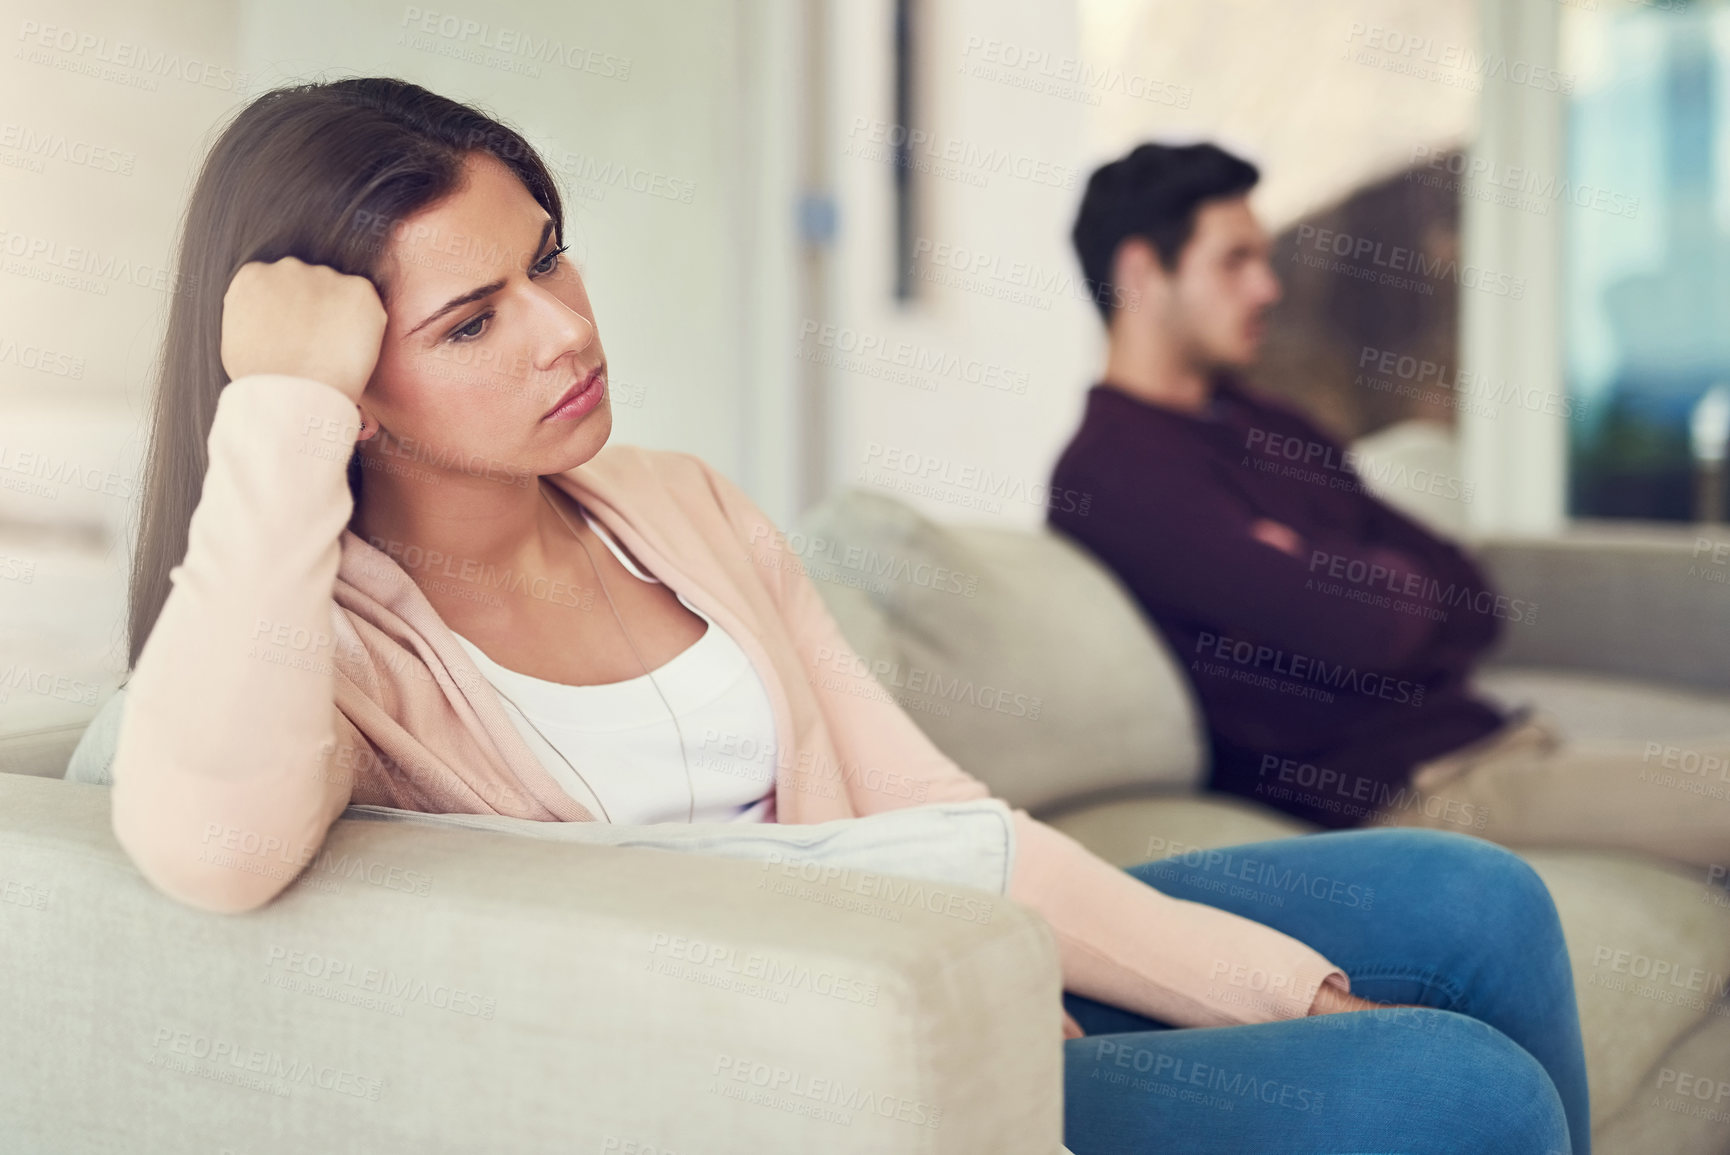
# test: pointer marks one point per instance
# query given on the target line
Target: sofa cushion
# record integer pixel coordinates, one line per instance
(1007, 647)
(1128, 831)
(1623, 914)
(1667, 1111)
(38, 734)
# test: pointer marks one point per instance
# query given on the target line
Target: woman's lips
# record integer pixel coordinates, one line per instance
(580, 398)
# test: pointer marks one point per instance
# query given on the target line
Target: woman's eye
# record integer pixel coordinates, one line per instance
(457, 334)
(553, 257)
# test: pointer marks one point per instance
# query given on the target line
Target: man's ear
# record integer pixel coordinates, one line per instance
(1136, 274)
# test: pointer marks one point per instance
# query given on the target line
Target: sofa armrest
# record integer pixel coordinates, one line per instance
(437, 989)
(1626, 599)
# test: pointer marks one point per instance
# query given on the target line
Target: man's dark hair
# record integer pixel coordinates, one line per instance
(1152, 193)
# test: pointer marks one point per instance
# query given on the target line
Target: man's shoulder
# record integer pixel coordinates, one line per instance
(1100, 485)
(1108, 447)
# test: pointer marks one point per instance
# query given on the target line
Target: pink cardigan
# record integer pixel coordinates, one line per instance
(295, 668)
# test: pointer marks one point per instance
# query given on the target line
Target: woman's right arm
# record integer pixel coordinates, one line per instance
(232, 760)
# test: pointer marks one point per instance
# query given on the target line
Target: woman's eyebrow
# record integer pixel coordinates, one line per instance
(485, 290)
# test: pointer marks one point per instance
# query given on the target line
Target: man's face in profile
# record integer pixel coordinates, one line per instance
(1213, 306)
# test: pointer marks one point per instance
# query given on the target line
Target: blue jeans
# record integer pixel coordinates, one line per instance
(1444, 920)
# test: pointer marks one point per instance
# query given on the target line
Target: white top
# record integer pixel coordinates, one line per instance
(619, 738)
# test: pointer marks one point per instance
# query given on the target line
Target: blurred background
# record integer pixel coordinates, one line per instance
(825, 235)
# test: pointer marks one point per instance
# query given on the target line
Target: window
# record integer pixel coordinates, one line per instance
(1646, 258)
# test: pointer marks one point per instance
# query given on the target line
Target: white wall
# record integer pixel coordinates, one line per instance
(105, 108)
(958, 448)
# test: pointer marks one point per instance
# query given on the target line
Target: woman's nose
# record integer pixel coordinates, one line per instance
(565, 328)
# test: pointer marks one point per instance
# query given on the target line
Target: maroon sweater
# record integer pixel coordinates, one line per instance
(1323, 678)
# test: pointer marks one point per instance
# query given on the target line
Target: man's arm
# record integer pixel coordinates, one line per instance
(1449, 578)
(1482, 608)
(1194, 545)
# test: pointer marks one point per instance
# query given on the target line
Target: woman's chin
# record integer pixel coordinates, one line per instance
(580, 440)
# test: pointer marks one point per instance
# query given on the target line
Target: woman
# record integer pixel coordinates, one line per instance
(403, 395)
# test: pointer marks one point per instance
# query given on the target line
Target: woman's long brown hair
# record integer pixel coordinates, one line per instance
(315, 171)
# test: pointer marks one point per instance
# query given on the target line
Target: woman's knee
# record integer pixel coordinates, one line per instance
(1466, 1086)
(1510, 1088)
(1487, 885)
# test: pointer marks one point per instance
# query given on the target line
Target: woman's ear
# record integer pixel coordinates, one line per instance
(368, 427)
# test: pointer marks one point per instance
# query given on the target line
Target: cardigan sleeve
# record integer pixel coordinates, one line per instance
(1120, 940)
(229, 766)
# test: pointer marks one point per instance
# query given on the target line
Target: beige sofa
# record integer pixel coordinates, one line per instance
(1026, 662)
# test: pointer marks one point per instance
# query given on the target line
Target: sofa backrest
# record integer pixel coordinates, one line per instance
(1641, 601)
(1021, 655)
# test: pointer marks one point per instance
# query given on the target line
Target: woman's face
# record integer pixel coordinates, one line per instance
(488, 328)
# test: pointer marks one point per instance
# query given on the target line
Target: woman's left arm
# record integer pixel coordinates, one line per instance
(1121, 941)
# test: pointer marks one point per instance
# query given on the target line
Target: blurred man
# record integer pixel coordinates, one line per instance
(1328, 637)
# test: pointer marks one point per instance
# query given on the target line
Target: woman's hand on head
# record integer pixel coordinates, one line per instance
(289, 317)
